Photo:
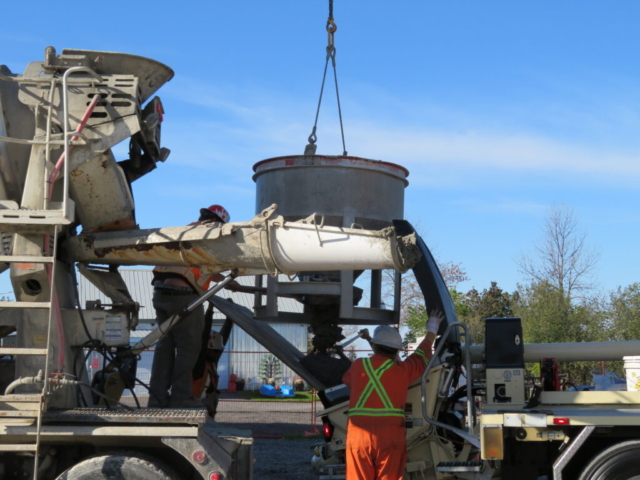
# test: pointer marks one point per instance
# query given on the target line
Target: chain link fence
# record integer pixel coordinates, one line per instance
(241, 375)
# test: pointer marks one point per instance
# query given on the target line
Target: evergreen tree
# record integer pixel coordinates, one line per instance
(270, 369)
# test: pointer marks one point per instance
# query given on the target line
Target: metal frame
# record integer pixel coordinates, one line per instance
(471, 410)
(570, 451)
(65, 101)
(65, 213)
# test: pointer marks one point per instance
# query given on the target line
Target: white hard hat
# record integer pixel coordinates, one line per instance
(387, 336)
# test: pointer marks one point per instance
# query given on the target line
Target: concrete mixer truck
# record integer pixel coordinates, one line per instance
(66, 206)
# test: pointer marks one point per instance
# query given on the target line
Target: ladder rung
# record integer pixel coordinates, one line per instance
(34, 217)
(25, 229)
(25, 304)
(19, 413)
(21, 397)
(18, 447)
(22, 351)
(25, 259)
(20, 220)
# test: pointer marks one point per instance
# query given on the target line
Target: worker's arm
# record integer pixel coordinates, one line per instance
(346, 378)
(417, 362)
(365, 335)
(433, 324)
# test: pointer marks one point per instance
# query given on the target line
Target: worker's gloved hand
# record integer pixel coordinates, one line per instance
(364, 333)
(433, 324)
(232, 285)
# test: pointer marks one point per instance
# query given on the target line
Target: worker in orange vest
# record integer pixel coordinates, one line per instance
(376, 440)
(177, 352)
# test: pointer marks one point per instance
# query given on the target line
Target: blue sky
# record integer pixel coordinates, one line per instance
(499, 109)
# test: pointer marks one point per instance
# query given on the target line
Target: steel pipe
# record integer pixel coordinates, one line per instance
(570, 352)
(25, 381)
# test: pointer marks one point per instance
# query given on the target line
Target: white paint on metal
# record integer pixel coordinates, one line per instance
(298, 247)
(570, 352)
(525, 420)
(59, 432)
(256, 247)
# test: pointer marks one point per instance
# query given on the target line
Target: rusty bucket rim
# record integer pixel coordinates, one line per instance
(390, 168)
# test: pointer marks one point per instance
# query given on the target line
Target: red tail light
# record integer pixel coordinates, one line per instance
(327, 429)
(199, 457)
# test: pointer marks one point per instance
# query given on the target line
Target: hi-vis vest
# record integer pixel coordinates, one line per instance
(199, 281)
(361, 407)
(388, 410)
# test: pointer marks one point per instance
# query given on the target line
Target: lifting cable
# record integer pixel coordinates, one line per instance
(331, 55)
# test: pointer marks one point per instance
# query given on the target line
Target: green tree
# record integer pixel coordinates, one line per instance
(472, 308)
(558, 304)
(270, 369)
(416, 323)
(476, 306)
(624, 313)
(550, 316)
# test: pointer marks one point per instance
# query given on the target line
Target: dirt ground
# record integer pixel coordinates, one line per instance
(281, 459)
(274, 458)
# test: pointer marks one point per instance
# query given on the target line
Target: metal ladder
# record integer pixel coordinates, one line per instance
(33, 406)
(49, 222)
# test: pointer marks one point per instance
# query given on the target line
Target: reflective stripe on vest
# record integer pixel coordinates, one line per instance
(374, 384)
(192, 275)
(422, 355)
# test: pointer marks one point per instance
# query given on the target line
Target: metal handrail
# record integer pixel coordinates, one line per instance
(45, 78)
(65, 101)
(471, 410)
(24, 141)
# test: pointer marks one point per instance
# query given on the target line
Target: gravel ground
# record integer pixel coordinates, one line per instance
(275, 458)
(274, 418)
(281, 459)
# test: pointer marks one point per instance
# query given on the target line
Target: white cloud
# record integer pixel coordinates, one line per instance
(479, 149)
(259, 124)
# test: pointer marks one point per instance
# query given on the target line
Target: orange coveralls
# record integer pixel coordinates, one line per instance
(376, 438)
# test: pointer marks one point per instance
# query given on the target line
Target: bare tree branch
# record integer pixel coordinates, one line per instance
(562, 258)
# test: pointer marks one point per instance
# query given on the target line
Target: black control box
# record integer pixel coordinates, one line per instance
(504, 347)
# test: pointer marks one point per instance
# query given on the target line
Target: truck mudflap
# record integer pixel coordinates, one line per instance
(219, 449)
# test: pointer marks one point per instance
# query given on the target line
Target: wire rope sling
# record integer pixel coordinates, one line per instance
(331, 27)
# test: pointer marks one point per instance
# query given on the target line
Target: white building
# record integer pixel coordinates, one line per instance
(243, 355)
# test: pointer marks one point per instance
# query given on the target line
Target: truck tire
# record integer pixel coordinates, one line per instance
(617, 462)
(119, 466)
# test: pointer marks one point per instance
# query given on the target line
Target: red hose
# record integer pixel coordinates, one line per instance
(60, 163)
(55, 304)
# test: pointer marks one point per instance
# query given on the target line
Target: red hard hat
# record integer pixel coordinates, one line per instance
(219, 210)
